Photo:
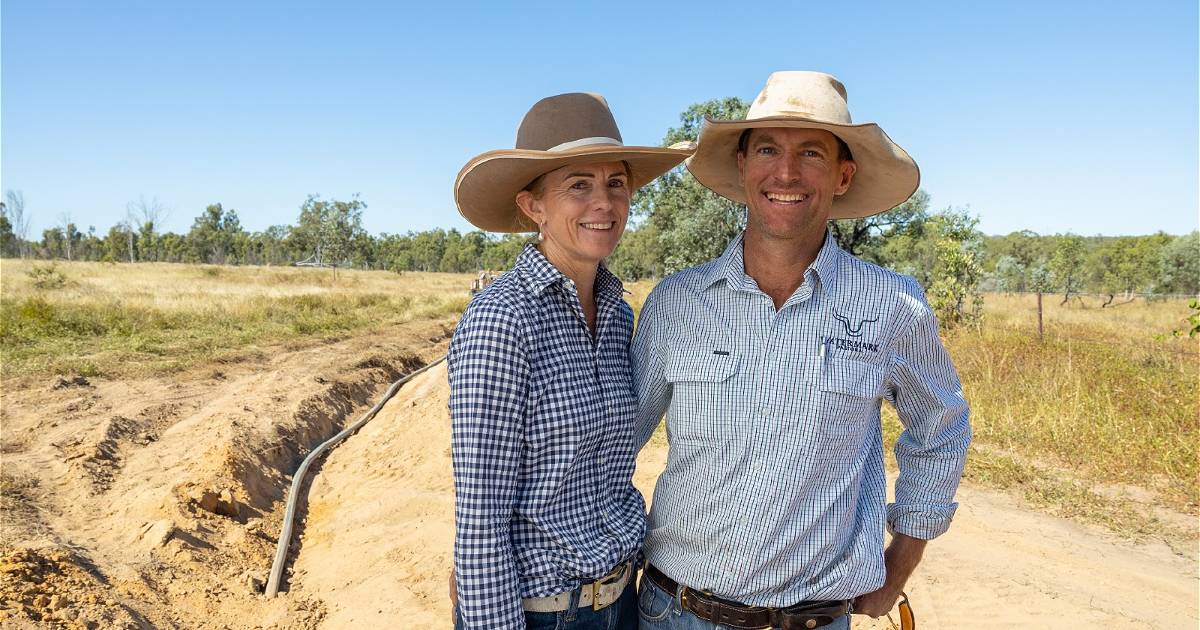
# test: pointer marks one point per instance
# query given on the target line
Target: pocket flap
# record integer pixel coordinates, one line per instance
(854, 378)
(700, 364)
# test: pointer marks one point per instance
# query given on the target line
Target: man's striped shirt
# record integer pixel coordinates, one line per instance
(773, 491)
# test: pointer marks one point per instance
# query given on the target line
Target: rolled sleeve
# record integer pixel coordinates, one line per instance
(931, 451)
(489, 384)
(646, 359)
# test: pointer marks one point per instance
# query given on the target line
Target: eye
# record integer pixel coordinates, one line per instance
(813, 153)
(582, 184)
(616, 183)
(765, 150)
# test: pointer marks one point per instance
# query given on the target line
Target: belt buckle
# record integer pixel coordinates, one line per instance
(617, 574)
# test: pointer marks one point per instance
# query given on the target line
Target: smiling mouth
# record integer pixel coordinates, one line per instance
(784, 198)
(599, 226)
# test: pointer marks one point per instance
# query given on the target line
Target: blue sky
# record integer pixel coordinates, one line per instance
(1049, 116)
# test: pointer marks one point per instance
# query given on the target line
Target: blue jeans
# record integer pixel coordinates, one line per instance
(620, 615)
(660, 610)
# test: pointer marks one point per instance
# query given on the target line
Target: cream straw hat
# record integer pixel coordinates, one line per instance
(886, 175)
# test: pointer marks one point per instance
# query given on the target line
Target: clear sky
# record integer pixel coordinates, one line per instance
(1049, 116)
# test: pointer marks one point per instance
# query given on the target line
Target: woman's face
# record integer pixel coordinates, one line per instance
(582, 210)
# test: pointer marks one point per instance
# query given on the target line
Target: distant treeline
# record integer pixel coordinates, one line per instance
(905, 239)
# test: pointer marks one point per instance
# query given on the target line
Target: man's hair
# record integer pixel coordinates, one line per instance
(843, 149)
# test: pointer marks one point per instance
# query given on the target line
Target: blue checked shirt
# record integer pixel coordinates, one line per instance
(542, 443)
(773, 491)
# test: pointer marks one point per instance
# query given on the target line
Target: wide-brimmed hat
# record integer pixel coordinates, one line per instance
(886, 175)
(558, 130)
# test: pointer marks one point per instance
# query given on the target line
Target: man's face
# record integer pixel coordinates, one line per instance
(791, 177)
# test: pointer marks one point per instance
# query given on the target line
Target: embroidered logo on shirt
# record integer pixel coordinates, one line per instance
(852, 345)
(853, 331)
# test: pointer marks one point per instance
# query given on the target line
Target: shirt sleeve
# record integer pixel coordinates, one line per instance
(932, 449)
(489, 384)
(648, 362)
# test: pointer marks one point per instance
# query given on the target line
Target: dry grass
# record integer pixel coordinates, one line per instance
(121, 320)
(1107, 393)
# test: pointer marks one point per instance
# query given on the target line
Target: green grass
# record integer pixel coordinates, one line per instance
(120, 320)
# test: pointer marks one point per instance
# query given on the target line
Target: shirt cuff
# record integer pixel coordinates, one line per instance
(923, 522)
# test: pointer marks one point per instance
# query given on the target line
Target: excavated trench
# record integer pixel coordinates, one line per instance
(156, 503)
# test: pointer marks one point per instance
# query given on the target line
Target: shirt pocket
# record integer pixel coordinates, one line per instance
(849, 405)
(704, 397)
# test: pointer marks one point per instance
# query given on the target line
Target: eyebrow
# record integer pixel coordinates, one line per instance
(768, 138)
(589, 175)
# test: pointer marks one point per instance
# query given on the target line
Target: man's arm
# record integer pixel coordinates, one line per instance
(932, 449)
(489, 383)
(900, 560)
(930, 453)
(647, 359)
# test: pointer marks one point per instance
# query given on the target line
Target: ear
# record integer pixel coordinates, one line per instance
(848, 169)
(741, 157)
(530, 207)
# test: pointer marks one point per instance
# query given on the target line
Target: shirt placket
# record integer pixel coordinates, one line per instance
(596, 344)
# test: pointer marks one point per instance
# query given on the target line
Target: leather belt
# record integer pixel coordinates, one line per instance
(599, 594)
(801, 616)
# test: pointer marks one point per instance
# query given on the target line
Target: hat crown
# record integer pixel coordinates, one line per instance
(803, 94)
(566, 119)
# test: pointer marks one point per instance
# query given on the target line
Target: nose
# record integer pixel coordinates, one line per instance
(609, 197)
(787, 168)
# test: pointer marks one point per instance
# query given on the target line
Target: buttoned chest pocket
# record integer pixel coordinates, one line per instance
(850, 395)
(703, 398)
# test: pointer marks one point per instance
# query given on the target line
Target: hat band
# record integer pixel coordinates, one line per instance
(583, 142)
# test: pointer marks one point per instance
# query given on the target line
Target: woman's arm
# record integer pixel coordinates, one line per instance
(489, 385)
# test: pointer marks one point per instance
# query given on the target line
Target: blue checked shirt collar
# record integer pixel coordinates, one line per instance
(731, 266)
(540, 274)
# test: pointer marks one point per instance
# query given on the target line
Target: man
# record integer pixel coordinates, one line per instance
(771, 362)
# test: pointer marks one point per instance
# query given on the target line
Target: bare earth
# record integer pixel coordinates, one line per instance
(156, 503)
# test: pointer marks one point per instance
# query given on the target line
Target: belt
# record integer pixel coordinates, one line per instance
(801, 616)
(599, 594)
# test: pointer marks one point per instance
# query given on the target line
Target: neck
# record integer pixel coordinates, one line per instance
(778, 265)
(583, 274)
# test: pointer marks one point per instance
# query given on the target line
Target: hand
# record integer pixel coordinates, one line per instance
(900, 560)
(453, 590)
(877, 603)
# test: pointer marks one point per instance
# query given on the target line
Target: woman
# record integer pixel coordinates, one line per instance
(547, 520)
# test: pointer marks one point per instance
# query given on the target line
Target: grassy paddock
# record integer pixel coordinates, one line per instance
(1107, 394)
(120, 320)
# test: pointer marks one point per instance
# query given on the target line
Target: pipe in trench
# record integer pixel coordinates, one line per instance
(285, 534)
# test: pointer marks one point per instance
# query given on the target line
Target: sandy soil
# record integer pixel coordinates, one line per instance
(377, 545)
(156, 503)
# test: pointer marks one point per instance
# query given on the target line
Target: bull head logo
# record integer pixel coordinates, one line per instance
(853, 331)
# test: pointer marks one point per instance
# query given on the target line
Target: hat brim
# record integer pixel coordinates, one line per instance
(885, 178)
(486, 188)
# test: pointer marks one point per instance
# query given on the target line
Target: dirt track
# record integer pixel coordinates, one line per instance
(377, 545)
(156, 503)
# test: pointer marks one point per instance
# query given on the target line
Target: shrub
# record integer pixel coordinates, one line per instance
(46, 277)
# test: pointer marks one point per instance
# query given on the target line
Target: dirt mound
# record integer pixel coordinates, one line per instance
(58, 587)
(156, 503)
